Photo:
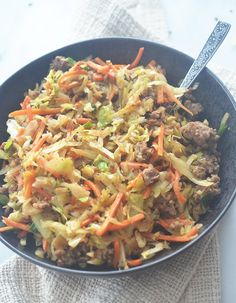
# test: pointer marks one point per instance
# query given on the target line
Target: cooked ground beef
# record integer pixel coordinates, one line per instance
(206, 166)
(195, 108)
(157, 117)
(166, 208)
(201, 134)
(60, 63)
(76, 256)
(214, 189)
(106, 256)
(142, 152)
(150, 175)
(196, 210)
(149, 92)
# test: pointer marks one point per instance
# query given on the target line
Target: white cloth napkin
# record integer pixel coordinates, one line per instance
(193, 276)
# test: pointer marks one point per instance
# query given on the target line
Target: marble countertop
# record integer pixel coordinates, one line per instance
(189, 23)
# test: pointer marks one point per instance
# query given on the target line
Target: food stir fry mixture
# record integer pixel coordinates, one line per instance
(107, 164)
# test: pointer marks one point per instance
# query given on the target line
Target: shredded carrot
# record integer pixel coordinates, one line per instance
(25, 102)
(40, 143)
(29, 113)
(135, 262)
(36, 111)
(62, 100)
(94, 188)
(112, 92)
(176, 187)
(40, 131)
(115, 205)
(166, 223)
(133, 182)
(83, 120)
(98, 77)
(160, 150)
(184, 238)
(78, 104)
(160, 94)
(71, 79)
(126, 223)
(138, 58)
(89, 220)
(6, 228)
(172, 98)
(21, 132)
(99, 68)
(116, 256)
(112, 211)
(14, 224)
(29, 178)
(147, 192)
(134, 165)
(99, 61)
(45, 245)
(111, 75)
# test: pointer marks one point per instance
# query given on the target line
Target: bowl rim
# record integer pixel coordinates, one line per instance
(116, 273)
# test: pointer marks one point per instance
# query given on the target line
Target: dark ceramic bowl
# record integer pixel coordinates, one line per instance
(212, 93)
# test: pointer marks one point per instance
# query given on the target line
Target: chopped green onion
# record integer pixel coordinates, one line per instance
(83, 199)
(103, 166)
(85, 67)
(88, 125)
(8, 145)
(71, 61)
(223, 124)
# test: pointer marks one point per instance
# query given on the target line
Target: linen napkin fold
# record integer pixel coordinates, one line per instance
(193, 276)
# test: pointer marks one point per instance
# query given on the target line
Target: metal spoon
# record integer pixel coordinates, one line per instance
(213, 43)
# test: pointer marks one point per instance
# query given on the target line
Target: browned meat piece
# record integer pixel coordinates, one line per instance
(156, 117)
(41, 204)
(196, 211)
(166, 208)
(60, 63)
(201, 134)
(149, 92)
(150, 175)
(206, 166)
(214, 189)
(142, 152)
(76, 256)
(195, 108)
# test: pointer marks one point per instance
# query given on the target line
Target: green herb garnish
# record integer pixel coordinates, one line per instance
(223, 124)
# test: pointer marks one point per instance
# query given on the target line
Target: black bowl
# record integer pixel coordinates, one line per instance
(212, 93)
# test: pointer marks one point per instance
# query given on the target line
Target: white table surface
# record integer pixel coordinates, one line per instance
(26, 33)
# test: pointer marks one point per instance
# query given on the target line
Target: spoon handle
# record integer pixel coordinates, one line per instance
(212, 44)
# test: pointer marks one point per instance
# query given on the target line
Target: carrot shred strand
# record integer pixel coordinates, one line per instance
(116, 256)
(138, 58)
(93, 187)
